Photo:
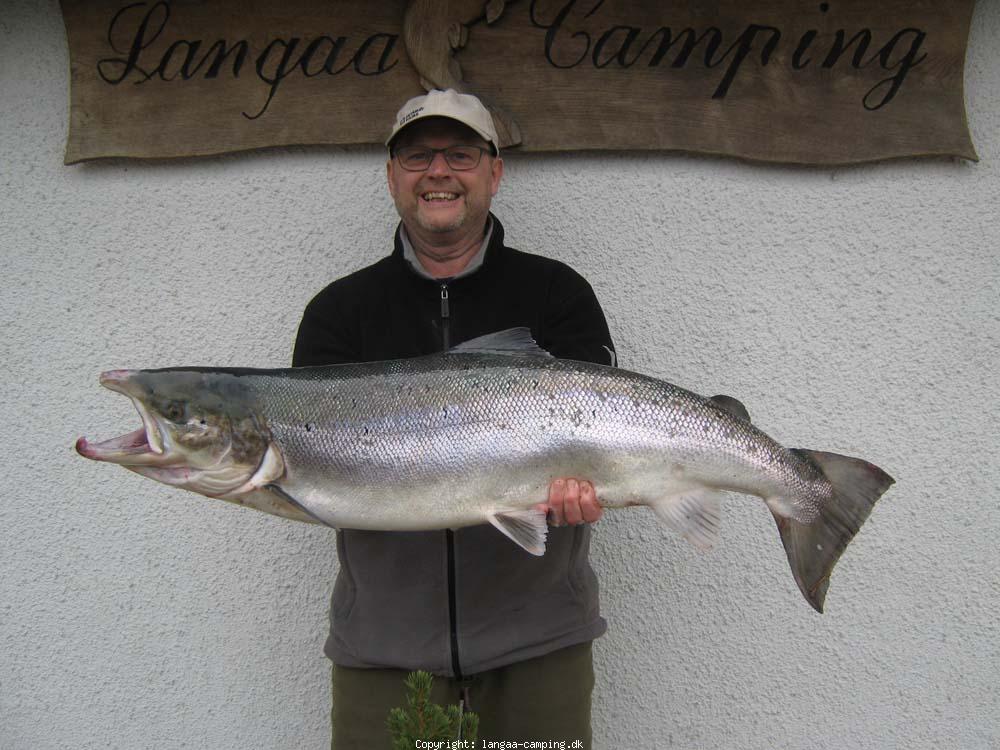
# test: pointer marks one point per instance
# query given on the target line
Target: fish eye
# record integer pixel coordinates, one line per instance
(175, 411)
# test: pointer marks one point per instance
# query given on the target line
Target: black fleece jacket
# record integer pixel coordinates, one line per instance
(457, 602)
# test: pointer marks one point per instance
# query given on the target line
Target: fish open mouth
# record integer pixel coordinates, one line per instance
(143, 446)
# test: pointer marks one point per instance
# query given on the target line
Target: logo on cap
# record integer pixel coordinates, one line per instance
(409, 116)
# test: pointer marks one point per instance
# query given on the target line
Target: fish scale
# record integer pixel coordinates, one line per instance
(476, 435)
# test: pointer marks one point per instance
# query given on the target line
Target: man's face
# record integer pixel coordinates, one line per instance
(441, 200)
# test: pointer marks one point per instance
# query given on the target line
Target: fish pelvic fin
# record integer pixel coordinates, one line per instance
(278, 491)
(695, 515)
(527, 528)
(814, 548)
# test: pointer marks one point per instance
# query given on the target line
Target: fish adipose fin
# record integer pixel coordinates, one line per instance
(527, 528)
(731, 405)
(292, 501)
(509, 341)
(696, 515)
(814, 548)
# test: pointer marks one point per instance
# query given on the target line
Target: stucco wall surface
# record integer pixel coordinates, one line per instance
(852, 309)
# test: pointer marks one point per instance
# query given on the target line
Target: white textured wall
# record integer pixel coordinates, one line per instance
(853, 310)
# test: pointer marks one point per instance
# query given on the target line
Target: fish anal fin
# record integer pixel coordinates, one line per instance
(527, 528)
(695, 514)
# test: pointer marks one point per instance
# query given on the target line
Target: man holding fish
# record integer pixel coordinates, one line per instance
(508, 633)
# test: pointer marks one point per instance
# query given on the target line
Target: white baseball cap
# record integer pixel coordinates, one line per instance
(463, 108)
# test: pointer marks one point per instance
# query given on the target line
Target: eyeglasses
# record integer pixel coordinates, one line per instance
(419, 158)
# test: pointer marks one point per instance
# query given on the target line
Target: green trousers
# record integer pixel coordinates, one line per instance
(547, 698)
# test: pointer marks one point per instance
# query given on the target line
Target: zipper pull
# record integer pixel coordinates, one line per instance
(444, 300)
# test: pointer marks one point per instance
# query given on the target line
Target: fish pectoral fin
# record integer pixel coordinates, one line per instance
(272, 467)
(527, 528)
(695, 514)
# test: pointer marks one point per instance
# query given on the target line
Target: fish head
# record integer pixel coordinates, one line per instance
(201, 431)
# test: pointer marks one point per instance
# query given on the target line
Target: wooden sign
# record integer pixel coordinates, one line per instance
(772, 80)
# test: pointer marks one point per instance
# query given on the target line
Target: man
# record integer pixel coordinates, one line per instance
(508, 633)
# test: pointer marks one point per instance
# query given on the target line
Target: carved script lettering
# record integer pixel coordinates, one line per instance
(183, 59)
(571, 41)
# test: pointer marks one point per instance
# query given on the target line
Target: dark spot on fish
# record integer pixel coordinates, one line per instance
(310, 427)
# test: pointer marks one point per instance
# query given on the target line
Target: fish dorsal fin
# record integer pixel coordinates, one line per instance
(695, 514)
(510, 341)
(527, 528)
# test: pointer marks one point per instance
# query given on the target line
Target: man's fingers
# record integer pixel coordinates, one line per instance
(571, 507)
(573, 501)
(589, 507)
(557, 499)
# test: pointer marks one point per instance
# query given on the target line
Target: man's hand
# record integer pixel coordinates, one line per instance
(573, 502)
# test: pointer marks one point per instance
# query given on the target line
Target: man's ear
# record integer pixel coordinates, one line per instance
(389, 173)
(496, 175)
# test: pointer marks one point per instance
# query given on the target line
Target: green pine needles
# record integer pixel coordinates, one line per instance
(423, 720)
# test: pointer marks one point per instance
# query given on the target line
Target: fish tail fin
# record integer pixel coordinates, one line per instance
(814, 548)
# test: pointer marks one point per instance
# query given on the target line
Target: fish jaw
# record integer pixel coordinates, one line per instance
(141, 447)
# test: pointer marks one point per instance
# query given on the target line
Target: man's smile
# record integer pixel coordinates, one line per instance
(438, 196)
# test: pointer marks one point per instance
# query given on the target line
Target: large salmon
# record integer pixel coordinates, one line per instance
(475, 435)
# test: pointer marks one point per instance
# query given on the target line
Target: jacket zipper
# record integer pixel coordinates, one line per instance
(445, 317)
(449, 534)
(452, 605)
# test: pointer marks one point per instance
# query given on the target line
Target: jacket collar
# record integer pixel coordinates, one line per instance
(405, 255)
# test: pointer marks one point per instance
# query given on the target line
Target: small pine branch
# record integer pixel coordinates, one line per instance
(424, 720)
